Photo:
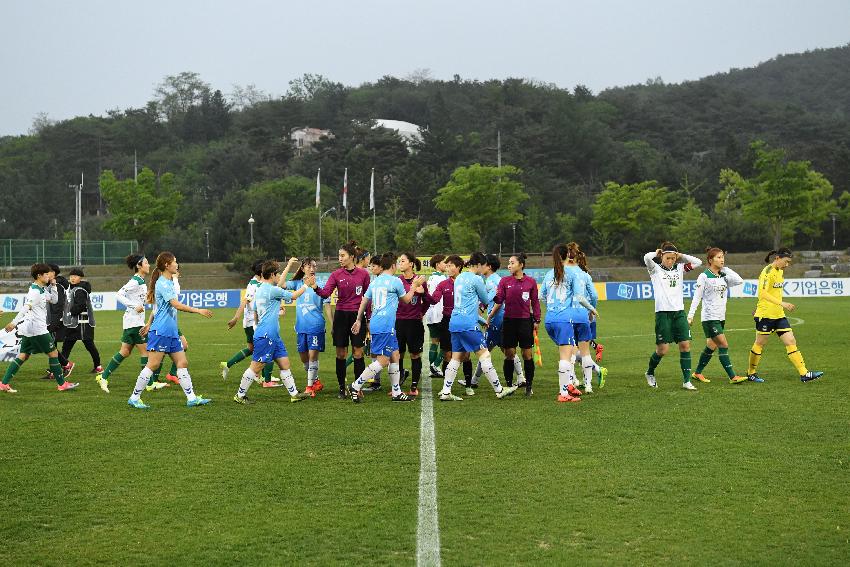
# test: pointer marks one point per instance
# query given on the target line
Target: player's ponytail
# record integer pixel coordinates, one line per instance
(162, 262)
(581, 260)
(387, 260)
(783, 252)
(559, 255)
(769, 258)
(134, 261)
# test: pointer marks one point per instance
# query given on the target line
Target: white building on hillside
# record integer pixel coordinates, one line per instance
(304, 138)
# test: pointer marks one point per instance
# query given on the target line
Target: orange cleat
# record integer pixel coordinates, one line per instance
(700, 377)
(563, 399)
(413, 392)
(172, 378)
(309, 390)
(67, 386)
(599, 350)
(318, 386)
(575, 392)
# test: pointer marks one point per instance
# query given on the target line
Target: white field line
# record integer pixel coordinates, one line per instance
(427, 523)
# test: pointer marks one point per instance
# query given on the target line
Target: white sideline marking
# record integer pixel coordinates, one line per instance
(427, 525)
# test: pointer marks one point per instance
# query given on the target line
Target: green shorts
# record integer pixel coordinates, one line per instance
(132, 337)
(713, 328)
(671, 327)
(39, 344)
(249, 334)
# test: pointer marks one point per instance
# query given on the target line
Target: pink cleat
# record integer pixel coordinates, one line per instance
(67, 386)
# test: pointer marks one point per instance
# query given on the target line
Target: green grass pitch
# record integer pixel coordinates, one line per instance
(729, 475)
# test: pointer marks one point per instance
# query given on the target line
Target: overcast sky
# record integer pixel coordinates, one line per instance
(88, 56)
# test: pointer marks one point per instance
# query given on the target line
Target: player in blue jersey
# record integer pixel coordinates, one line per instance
(385, 293)
(593, 297)
(563, 321)
(163, 336)
(469, 292)
(268, 346)
(582, 318)
(311, 312)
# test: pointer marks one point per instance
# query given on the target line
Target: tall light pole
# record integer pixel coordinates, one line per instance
(78, 222)
(320, 231)
(513, 226)
(833, 215)
(207, 235)
(251, 222)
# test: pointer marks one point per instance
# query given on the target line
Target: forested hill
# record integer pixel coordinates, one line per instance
(231, 156)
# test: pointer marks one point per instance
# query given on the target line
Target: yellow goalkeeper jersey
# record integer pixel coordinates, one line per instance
(771, 281)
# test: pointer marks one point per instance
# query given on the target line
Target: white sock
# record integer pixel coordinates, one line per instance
(477, 374)
(288, 382)
(141, 383)
(490, 372)
(247, 377)
(564, 377)
(380, 370)
(370, 372)
(395, 378)
(518, 366)
(186, 383)
(451, 374)
(312, 372)
(587, 366)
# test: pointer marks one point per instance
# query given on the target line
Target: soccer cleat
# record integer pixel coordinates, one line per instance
(243, 400)
(96, 370)
(601, 376)
(224, 370)
(156, 386)
(470, 392)
(7, 388)
(573, 391)
(343, 393)
(173, 379)
(462, 382)
(275, 379)
(689, 386)
(450, 398)
(737, 379)
(566, 399)
(474, 384)
(588, 388)
(299, 397)
(137, 404)
(311, 391)
(372, 385)
(67, 369)
(755, 378)
(413, 392)
(599, 350)
(506, 391)
(356, 397)
(48, 376)
(67, 386)
(272, 384)
(811, 375)
(402, 398)
(318, 386)
(650, 379)
(198, 401)
(435, 371)
(520, 382)
(529, 392)
(104, 384)
(700, 377)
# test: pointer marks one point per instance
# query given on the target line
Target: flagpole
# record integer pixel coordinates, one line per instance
(319, 208)
(372, 205)
(345, 201)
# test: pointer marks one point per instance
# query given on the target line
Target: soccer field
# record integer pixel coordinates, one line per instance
(728, 475)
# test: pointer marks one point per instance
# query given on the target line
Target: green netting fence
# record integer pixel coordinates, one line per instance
(25, 252)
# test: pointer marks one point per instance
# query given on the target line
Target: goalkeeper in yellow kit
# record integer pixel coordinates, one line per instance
(770, 317)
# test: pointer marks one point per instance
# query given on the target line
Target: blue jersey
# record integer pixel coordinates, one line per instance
(470, 292)
(309, 317)
(559, 298)
(267, 305)
(165, 319)
(384, 293)
(492, 284)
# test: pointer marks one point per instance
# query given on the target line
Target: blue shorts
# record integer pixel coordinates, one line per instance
(561, 332)
(468, 341)
(167, 345)
(582, 332)
(494, 337)
(267, 349)
(310, 341)
(593, 330)
(384, 344)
